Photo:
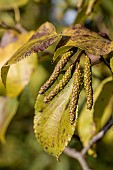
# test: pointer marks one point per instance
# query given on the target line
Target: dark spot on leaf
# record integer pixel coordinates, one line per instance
(63, 130)
(40, 111)
(102, 99)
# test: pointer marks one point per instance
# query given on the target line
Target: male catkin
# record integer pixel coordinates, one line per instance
(60, 65)
(75, 93)
(88, 82)
(60, 85)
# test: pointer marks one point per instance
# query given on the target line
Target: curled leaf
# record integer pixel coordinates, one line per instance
(43, 38)
(87, 40)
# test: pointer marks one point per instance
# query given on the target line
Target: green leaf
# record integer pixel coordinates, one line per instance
(4, 72)
(9, 4)
(87, 40)
(81, 16)
(43, 38)
(20, 75)
(102, 105)
(111, 64)
(52, 126)
(86, 125)
(8, 108)
(60, 51)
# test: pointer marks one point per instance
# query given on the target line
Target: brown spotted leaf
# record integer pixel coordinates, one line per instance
(43, 38)
(51, 122)
(87, 40)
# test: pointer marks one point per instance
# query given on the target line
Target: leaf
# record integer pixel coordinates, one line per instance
(29, 94)
(20, 75)
(101, 106)
(4, 72)
(111, 64)
(8, 108)
(51, 122)
(8, 50)
(86, 125)
(6, 4)
(90, 121)
(43, 38)
(60, 51)
(87, 40)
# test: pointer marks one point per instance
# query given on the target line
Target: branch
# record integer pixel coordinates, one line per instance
(97, 137)
(77, 155)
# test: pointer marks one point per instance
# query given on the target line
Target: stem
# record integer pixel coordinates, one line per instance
(97, 137)
(77, 155)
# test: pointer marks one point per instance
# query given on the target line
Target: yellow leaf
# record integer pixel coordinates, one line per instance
(8, 107)
(20, 73)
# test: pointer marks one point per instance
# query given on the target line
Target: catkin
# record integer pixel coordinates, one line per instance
(60, 85)
(88, 82)
(60, 65)
(75, 93)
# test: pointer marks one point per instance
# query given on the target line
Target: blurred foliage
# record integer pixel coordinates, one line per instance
(19, 149)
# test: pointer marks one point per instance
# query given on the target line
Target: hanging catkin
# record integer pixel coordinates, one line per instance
(75, 93)
(60, 85)
(88, 82)
(60, 65)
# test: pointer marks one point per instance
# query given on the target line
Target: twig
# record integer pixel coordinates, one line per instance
(97, 137)
(16, 27)
(77, 155)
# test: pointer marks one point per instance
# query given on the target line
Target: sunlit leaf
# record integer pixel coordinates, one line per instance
(43, 38)
(7, 51)
(8, 109)
(87, 40)
(19, 75)
(81, 16)
(29, 94)
(51, 122)
(6, 4)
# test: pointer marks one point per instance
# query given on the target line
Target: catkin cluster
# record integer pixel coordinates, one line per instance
(60, 85)
(60, 65)
(75, 71)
